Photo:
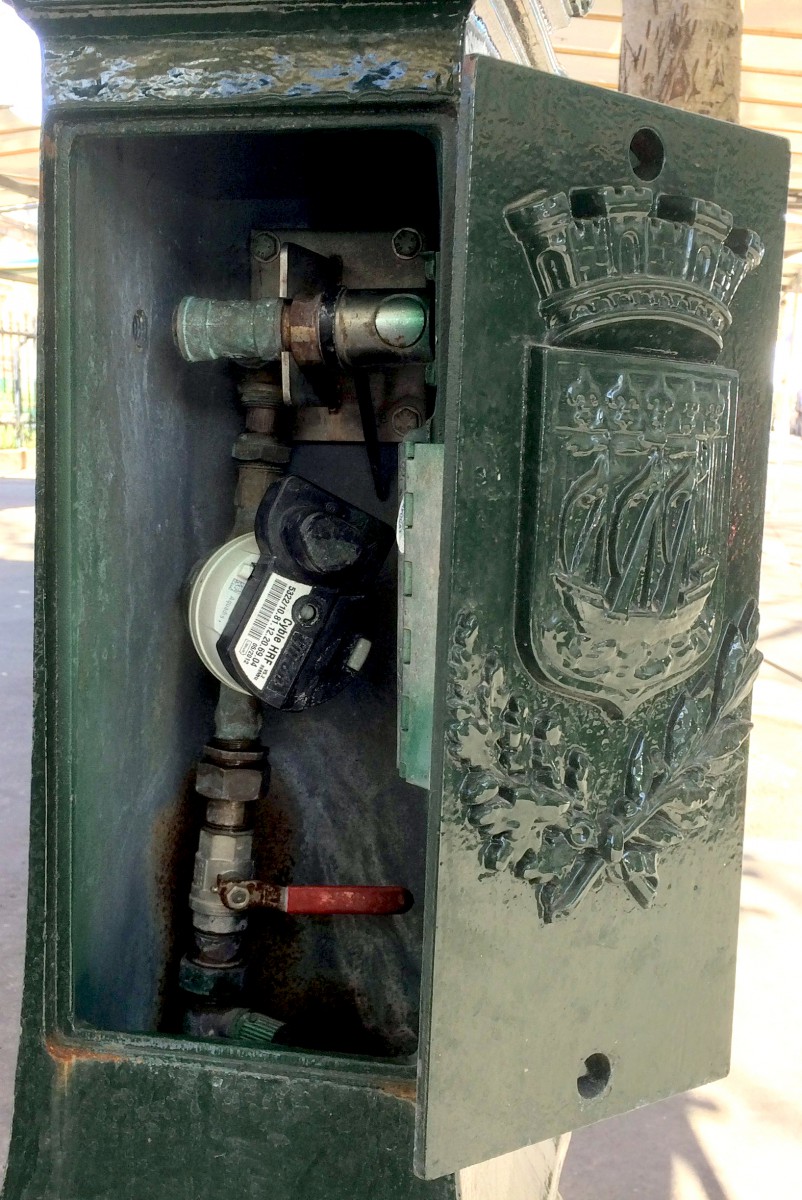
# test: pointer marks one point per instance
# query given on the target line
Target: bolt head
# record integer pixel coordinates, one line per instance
(404, 419)
(265, 246)
(407, 243)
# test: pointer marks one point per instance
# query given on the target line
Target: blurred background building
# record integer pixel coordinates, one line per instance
(20, 114)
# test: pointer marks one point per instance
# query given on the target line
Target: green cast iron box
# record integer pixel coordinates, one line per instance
(577, 616)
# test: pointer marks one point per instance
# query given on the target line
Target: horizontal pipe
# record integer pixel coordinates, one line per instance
(245, 330)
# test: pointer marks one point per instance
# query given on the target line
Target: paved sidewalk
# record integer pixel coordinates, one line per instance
(16, 600)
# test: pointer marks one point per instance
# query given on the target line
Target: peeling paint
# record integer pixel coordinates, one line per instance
(169, 69)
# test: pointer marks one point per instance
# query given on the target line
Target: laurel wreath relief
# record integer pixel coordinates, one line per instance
(530, 797)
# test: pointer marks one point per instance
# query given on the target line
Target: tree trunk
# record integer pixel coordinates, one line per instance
(683, 53)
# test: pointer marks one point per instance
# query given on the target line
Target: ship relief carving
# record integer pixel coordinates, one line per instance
(628, 439)
(628, 501)
(532, 798)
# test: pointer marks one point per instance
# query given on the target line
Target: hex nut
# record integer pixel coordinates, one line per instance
(216, 949)
(232, 849)
(238, 898)
(253, 480)
(215, 983)
(240, 784)
(229, 814)
(224, 756)
(218, 923)
(261, 447)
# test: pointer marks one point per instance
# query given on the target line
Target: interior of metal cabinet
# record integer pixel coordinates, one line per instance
(152, 219)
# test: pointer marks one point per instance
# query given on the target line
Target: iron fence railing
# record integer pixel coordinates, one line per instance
(17, 378)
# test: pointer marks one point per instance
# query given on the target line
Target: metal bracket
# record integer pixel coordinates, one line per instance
(287, 262)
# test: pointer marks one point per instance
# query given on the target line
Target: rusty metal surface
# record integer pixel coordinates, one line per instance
(241, 894)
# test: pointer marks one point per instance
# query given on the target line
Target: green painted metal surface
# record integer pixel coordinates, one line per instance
(597, 618)
(158, 53)
(419, 529)
(569, 971)
(135, 484)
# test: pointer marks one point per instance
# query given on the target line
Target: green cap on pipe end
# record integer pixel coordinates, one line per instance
(255, 1029)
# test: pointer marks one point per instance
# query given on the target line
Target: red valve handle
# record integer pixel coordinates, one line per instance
(370, 900)
(367, 900)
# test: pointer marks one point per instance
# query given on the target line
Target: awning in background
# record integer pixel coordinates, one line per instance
(19, 196)
(771, 80)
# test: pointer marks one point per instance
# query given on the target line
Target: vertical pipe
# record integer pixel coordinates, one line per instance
(213, 971)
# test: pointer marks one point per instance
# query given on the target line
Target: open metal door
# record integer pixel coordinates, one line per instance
(605, 441)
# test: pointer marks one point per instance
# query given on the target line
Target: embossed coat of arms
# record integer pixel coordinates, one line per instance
(628, 508)
(622, 548)
(626, 485)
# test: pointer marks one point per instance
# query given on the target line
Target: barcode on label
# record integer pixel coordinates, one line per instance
(259, 647)
(267, 607)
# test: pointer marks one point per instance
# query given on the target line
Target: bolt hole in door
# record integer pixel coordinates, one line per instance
(139, 329)
(647, 154)
(594, 1082)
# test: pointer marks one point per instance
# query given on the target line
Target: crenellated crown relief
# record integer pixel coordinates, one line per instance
(628, 267)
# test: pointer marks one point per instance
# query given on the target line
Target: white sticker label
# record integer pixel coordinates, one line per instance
(230, 592)
(259, 647)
